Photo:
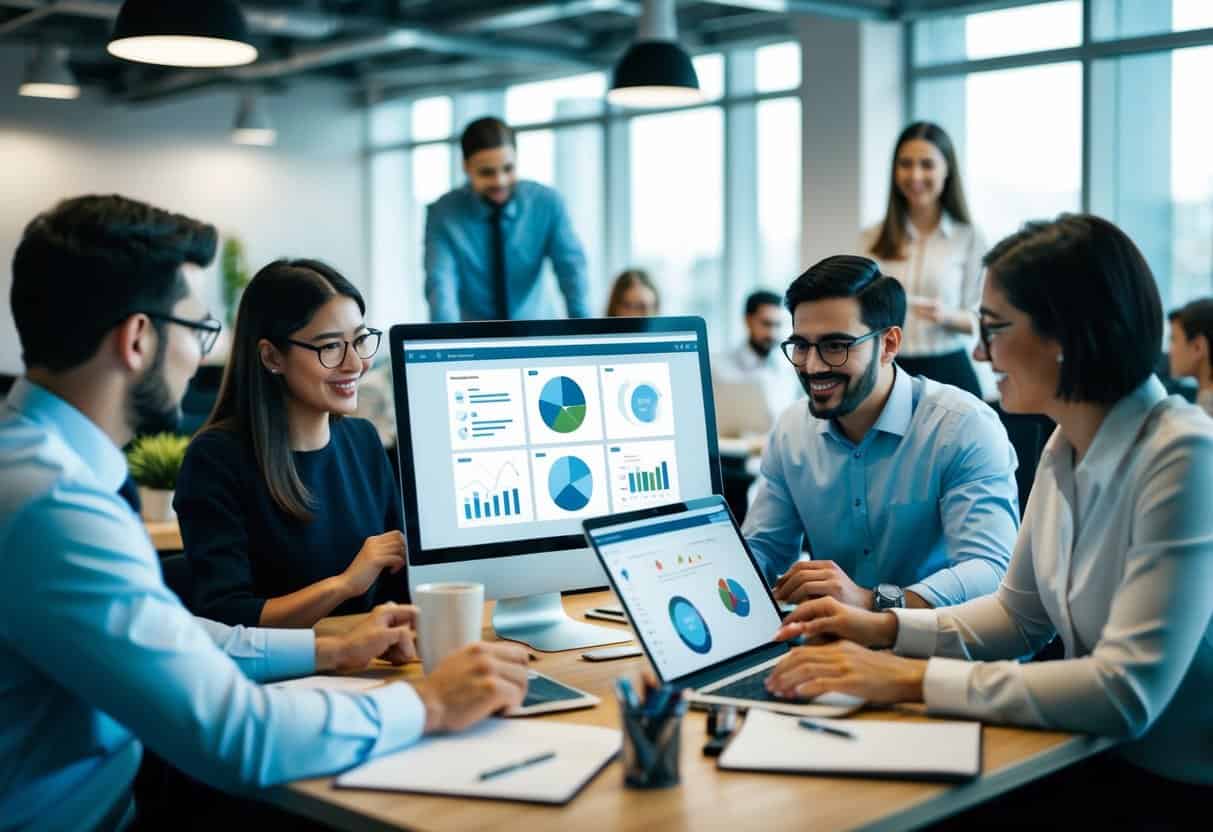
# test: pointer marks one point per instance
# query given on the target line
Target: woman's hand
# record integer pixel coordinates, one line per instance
(382, 551)
(846, 667)
(831, 618)
(387, 632)
(933, 310)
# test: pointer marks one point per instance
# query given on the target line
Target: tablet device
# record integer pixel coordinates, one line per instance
(544, 695)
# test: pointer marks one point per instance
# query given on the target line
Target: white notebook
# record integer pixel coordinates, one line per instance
(451, 764)
(935, 750)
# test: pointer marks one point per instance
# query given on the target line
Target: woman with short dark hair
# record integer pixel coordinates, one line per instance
(288, 507)
(1115, 555)
(927, 240)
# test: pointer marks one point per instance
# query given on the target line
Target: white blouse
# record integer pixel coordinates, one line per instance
(945, 264)
(1116, 557)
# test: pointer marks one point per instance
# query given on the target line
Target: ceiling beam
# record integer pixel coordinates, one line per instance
(830, 8)
(32, 16)
(541, 13)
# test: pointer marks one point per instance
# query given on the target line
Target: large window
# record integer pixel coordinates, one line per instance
(1009, 86)
(646, 189)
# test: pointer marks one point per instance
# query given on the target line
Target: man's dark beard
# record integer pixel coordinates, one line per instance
(151, 407)
(762, 349)
(853, 395)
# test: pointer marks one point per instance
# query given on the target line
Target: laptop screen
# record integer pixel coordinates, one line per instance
(689, 586)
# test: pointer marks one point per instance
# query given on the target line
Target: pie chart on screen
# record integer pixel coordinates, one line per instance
(734, 597)
(570, 483)
(562, 404)
(689, 625)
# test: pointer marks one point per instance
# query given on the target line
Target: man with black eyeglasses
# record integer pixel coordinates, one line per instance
(903, 486)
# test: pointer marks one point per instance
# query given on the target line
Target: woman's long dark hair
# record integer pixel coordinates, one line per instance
(890, 243)
(280, 299)
(626, 280)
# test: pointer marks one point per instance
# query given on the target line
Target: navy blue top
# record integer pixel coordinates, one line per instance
(244, 549)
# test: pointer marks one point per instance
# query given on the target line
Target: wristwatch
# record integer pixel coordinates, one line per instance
(887, 596)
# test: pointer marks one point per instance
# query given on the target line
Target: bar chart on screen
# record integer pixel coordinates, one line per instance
(643, 474)
(492, 488)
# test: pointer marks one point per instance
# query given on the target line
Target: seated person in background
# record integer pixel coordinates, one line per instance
(755, 367)
(1115, 555)
(1192, 348)
(904, 486)
(288, 507)
(633, 295)
(97, 656)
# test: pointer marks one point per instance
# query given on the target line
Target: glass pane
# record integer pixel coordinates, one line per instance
(536, 156)
(779, 196)
(1013, 31)
(1011, 174)
(710, 69)
(1151, 170)
(389, 123)
(431, 178)
(544, 101)
(777, 67)
(577, 155)
(1112, 19)
(394, 269)
(677, 196)
(431, 118)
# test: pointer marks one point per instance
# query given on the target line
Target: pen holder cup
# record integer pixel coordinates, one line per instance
(651, 748)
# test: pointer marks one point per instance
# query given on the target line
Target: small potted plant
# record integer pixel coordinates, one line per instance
(154, 462)
(236, 276)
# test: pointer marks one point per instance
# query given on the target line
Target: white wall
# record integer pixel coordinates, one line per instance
(302, 197)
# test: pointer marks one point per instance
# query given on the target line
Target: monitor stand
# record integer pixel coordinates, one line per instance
(541, 622)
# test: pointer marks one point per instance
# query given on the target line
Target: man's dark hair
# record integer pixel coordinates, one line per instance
(1084, 284)
(90, 263)
(485, 134)
(882, 300)
(1196, 318)
(759, 299)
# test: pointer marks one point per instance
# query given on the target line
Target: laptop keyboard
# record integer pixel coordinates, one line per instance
(748, 687)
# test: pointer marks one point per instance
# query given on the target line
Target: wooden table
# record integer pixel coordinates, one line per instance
(166, 536)
(707, 798)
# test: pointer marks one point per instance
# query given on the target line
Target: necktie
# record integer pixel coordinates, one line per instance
(130, 492)
(497, 253)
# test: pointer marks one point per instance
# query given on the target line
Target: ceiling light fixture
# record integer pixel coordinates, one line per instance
(252, 125)
(655, 71)
(47, 75)
(189, 33)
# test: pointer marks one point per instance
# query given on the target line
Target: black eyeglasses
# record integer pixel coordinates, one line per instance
(986, 330)
(332, 354)
(833, 351)
(207, 329)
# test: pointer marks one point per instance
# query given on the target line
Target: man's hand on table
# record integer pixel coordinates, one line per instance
(472, 683)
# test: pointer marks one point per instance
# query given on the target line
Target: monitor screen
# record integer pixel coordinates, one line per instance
(511, 433)
(690, 586)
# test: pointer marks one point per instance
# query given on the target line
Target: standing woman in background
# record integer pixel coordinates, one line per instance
(928, 241)
(288, 507)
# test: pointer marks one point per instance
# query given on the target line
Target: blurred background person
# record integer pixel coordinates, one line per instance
(486, 241)
(927, 241)
(633, 295)
(1191, 337)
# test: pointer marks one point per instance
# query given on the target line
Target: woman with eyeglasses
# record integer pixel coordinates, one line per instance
(1115, 555)
(928, 242)
(288, 508)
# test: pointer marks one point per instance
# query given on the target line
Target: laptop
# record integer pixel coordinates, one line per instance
(741, 408)
(699, 605)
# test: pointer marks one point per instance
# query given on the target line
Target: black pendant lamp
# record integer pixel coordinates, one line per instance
(655, 71)
(189, 33)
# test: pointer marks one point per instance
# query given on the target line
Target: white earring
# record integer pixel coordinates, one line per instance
(1061, 358)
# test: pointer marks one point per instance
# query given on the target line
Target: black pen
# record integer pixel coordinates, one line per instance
(825, 729)
(506, 769)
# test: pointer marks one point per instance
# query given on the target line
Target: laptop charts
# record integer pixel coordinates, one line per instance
(699, 605)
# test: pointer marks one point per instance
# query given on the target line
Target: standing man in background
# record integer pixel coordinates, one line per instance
(756, 365)
(486, 241)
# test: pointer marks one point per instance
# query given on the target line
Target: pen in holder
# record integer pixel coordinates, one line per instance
(652, 735)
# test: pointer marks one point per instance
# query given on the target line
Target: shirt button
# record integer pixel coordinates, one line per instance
(857, 503)
(867, 551)
(859, 454)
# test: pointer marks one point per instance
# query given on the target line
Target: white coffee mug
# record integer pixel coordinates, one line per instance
(451, 615)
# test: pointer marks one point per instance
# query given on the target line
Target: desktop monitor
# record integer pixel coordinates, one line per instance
(511, 433)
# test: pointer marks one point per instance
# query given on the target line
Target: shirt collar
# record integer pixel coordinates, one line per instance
(1116, 435)
(79, 432)
(945, 228)
(894, 418)
(484, 211)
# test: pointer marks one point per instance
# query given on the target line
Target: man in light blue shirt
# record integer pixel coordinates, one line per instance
(97, 656)
(905, 487)
(486, 242)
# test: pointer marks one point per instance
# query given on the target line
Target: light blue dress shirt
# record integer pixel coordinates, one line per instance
(459, 283)
(97, 656)
(927, 500)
